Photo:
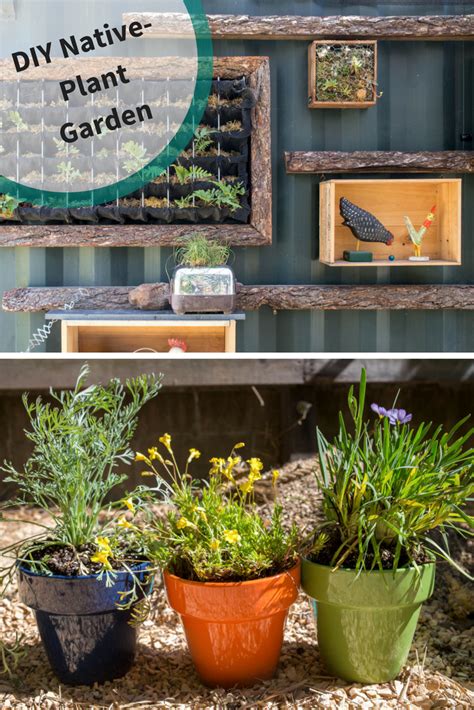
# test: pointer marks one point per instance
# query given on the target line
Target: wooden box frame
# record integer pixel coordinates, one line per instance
(128, 335)
(442, 243)
(313, 101)
(257, 233)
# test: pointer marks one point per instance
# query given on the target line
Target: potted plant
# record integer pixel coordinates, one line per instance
(202, 281)
(8, 205)
(78, 571)
(386, 486)
(342, 74)
(230, 573)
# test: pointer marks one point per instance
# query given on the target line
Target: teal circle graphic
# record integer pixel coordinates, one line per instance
(163, 160)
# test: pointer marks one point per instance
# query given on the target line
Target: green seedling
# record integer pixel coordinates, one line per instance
(137, 156)
(187, 175)
(8, 205)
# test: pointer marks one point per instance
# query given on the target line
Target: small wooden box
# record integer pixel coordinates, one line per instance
(313, 101)
(135, 331)
(390, 201)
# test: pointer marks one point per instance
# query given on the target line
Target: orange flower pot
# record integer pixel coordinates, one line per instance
(234, 630)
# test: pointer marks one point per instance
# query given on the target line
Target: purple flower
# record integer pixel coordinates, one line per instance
(403, 417)
(381, 411)
(395, 416)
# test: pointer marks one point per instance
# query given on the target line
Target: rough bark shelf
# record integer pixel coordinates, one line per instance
(249, 298)
(390, 201)
(294, 27)
(379, 161)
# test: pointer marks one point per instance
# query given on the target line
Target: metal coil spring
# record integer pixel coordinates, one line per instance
(42, 334)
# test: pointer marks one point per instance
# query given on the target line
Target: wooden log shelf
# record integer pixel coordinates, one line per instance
(294, 27)
(379, 161)
(251, 298)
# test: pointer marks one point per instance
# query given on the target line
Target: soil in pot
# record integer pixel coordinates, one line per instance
(234, 630)
(366, 622)
(86, 637)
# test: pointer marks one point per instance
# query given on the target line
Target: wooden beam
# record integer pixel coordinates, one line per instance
(35, 375)
(130, 235)
(379, 161)
(411, 27)
(250, 298)
(137, 67)
(46, 299)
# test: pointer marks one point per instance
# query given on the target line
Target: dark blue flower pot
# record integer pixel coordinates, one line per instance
(86, 638)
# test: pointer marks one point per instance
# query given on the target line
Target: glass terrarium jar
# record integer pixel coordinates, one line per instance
(203, 289)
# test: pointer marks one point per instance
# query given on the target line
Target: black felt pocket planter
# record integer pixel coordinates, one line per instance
(159, 215)
(44, 215)
(185, 214)
(111, 213)
(133, 214)
(86, 637)
(84, 214)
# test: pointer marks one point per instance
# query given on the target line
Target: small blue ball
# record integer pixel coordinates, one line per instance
(391, 257)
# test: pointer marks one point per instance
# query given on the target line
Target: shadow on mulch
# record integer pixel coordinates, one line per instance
(156, 671)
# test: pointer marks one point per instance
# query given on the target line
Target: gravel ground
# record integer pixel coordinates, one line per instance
(437, 675)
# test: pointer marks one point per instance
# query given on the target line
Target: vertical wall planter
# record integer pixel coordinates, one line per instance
(86, 637)
(342, 74)
(366, 622)
(234, 630)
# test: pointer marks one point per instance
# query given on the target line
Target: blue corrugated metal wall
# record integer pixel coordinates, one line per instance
(427, 104)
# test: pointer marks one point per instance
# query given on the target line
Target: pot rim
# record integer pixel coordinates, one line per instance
(248, 582)
(177, 267)
(142, 567)
(349, 570)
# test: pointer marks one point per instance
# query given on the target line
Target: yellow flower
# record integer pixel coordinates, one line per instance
(103, 543)
(183, 523)
(275, 475)
(123, 522)
(217, 465)
(166, 441)
(153, 453)
(128, 503)
(231, 463)
(240, 445)
(255, 467)
(148, 473)
(215, 544)
(103, 553)
(231, 536)
(193, 454)
(255, 464)
(102, 558)
(140, 457)
(246, 487)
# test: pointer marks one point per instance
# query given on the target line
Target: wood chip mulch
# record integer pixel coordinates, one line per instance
(437, 676)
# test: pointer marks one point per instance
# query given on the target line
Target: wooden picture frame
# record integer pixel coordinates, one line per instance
(313, 101)
(259, 230)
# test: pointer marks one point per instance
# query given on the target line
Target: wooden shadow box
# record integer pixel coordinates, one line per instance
(315, 101)
(389, 201)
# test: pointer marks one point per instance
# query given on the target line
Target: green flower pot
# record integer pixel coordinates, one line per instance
(366, 623)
